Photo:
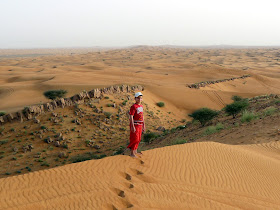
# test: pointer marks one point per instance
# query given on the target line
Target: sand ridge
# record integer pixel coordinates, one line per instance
(204, 175)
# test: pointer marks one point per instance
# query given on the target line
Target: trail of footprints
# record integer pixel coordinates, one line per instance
(121, 193)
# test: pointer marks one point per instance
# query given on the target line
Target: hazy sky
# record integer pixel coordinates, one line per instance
(87, 23)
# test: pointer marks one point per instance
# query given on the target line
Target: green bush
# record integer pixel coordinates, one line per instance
(160, 104)
(270, 111)
(4, 141)
(43, 127)
(149, 137)
(236, 107)
(204, 115)
(86, 156)
(213, 129)
(237, 98)
(108, 114)
(120, 150)
(248, 116)
(179, 141)
(277, 102)
(2, 113)
(54, 94)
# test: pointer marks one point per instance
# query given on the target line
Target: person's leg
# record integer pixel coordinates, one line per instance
(132, 144)
(139, 132)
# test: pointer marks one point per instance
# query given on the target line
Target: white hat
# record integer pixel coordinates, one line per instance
(138, 94)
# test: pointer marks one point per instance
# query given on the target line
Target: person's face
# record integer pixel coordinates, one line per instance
(139, 99)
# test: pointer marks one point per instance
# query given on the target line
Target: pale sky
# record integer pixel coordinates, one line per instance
(88, 23)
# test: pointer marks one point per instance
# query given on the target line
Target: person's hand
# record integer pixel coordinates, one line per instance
(144, 129)
(133, 129)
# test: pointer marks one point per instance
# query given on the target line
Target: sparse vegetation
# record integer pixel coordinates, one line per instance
(179, 141)
(237, 98)
(213, 129)
(4, 141)
(86, 156)
(149, 137)
(270, 111)
(248, 116)
(108, 114)
(2, 113)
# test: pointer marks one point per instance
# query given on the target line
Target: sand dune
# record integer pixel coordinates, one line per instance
(163, 71)
(204, 175)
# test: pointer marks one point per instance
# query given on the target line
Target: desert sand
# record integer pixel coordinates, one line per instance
(190, 176)
(200, 175)
(165, 72)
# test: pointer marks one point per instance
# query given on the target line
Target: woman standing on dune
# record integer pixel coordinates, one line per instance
(137, 124)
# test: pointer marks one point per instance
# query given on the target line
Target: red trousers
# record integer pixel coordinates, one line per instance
(135, 137)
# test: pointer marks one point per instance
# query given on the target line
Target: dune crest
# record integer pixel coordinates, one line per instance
(203, 175)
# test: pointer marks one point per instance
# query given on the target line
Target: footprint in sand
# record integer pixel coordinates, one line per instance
(121, 194)
(128, 177)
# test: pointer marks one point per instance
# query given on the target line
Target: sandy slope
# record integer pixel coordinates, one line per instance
(204, 175)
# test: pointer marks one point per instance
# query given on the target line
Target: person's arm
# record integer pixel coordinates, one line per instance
(132, 123)
(144, 127)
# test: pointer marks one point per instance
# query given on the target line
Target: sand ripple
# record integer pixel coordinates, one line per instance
(203, 175)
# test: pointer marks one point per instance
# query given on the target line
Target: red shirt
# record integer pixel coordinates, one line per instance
(137, 111)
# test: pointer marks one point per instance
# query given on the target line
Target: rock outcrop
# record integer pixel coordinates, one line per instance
(203, 84)
(29, 113)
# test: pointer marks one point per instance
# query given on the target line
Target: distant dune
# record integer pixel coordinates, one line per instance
(204, 175)
(164, 71)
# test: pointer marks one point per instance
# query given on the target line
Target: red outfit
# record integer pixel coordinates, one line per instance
(135, 137)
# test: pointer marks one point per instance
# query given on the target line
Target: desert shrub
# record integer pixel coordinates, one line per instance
(124, 102)
(109, 105)
(179, 141)
(45, 164)
(277, 102)
(106, 97)
(4, 141)
(213, 129)
(248, 116)
(108, 114)
(180, 127)
(236, 107)
(2, 113)
(220, 126)
(54, 94)
(86, 156)
(270, 111)
(204, 115)
(43, 127)
(149, 137)
(160, 104)
(120, 150)
(237, 98)
(2, 129)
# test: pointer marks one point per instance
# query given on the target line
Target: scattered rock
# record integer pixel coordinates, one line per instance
(96, 146)
(56, 143)
(49, 140)
(62, 155)
(161, 128)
